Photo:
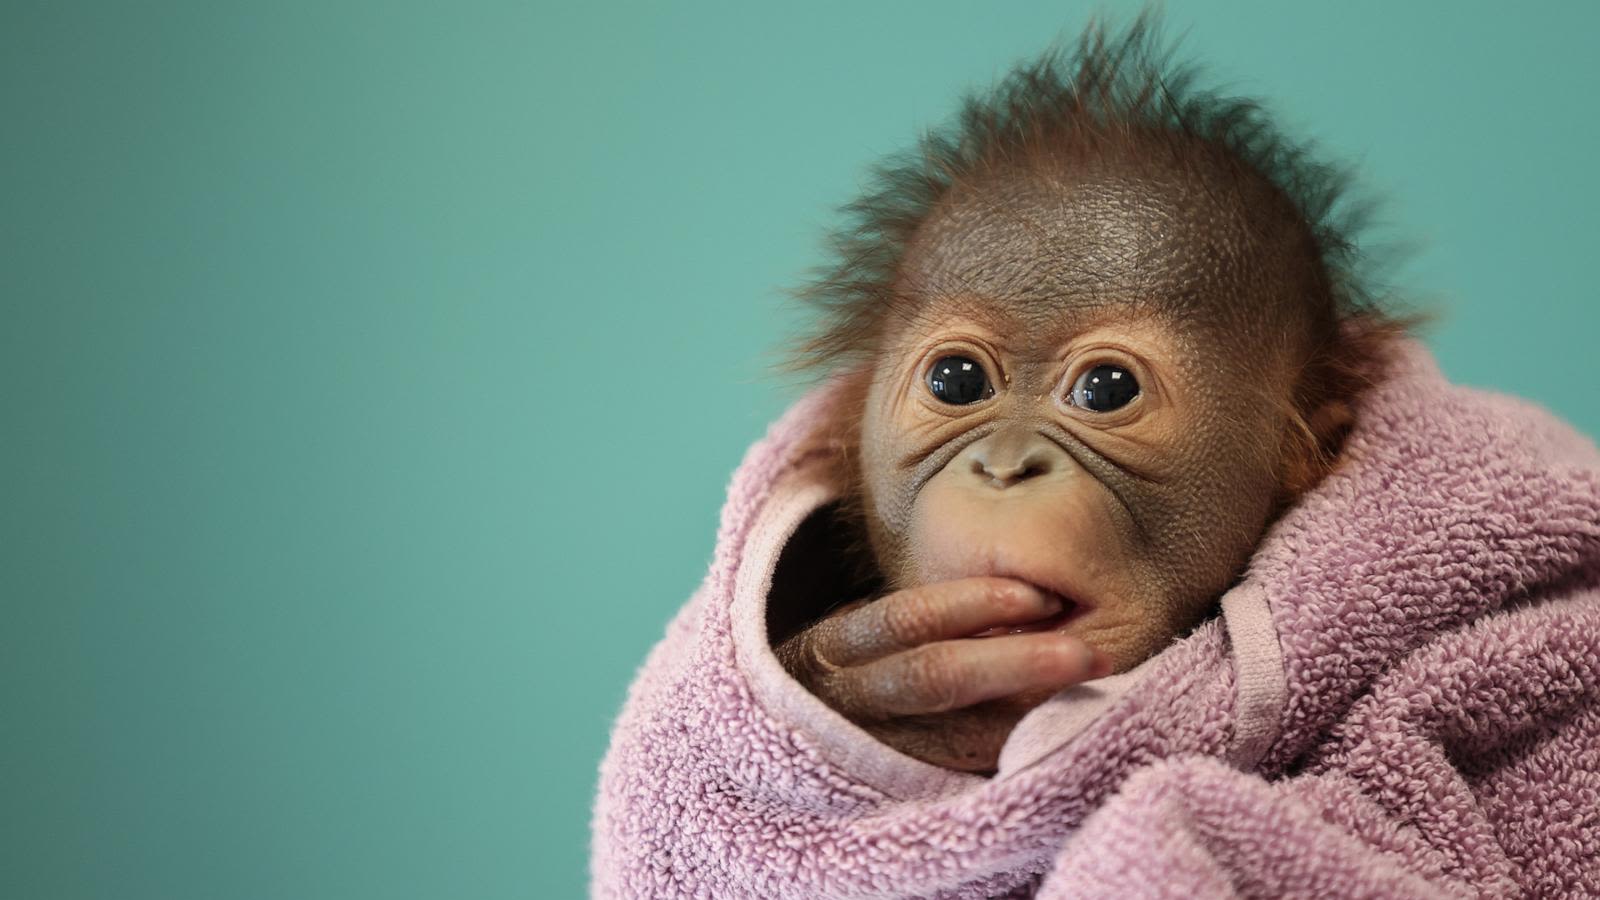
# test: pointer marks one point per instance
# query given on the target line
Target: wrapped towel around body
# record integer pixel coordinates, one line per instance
(1401, 697)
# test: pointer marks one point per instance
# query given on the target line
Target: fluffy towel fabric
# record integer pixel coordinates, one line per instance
(1400, 698)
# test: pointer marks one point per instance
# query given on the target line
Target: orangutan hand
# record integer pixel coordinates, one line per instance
(910, 668)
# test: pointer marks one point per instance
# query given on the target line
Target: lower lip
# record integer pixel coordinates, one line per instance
(1069, 611)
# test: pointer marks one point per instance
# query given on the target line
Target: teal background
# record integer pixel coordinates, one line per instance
(370, 374)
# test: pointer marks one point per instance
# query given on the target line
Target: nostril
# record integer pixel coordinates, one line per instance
(1011, 457)
(1005, 476)
(998, 476)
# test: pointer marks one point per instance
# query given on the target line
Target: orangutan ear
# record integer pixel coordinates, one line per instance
(836, 438)
(1314, 446)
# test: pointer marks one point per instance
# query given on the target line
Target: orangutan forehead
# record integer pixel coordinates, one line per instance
(1176, 238)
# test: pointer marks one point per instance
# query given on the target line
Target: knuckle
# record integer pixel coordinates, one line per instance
(803, 656)
(798, 657)
(910, 620)
(822, 640)
(932, 678)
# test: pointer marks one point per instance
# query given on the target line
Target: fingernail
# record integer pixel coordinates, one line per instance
(1101, 665)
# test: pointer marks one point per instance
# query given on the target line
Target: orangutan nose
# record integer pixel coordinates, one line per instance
(1010, 457)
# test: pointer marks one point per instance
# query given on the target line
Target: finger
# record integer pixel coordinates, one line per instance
(953, 674)
(929, 613)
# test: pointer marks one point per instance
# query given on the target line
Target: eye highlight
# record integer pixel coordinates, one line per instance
(958, 380)
(1104, 388)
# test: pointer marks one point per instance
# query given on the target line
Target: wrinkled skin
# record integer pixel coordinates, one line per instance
(997, 513)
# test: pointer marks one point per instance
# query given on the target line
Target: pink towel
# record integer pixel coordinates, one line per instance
(1401, 697)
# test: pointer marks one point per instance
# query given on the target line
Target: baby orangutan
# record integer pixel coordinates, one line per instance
(1094, 342)
(1108, 393)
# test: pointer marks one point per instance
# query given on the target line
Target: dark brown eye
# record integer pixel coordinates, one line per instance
(1104, 388)
(958, 380)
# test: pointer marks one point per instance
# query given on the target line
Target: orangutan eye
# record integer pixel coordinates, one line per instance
(1104, 388)
(958, 380)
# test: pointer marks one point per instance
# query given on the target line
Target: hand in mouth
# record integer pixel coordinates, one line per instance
(1056, 621)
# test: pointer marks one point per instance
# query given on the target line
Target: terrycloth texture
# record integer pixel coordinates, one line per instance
(1400, 698)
